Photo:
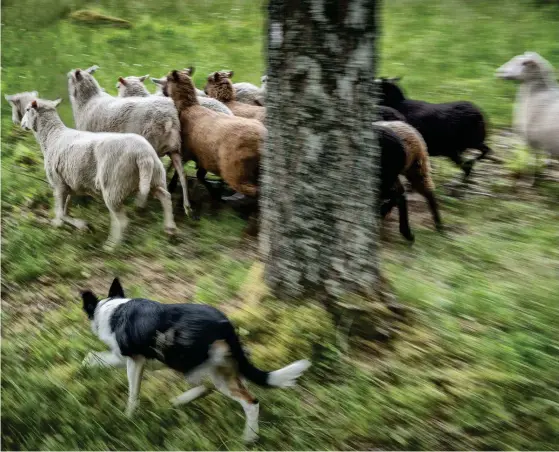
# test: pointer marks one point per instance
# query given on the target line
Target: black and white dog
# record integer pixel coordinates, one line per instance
(196, 340)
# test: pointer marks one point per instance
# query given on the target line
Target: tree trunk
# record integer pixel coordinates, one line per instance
(319, 220)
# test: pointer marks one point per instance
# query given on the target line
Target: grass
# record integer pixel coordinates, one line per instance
(475, 367)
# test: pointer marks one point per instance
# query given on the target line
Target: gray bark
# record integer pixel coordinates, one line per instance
(319, 222)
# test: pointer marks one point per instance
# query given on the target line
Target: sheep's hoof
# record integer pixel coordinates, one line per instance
(81, 225)
(109, 246)
(171, 229)
(57, 222)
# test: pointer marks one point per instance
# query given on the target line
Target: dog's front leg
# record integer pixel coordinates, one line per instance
(103, 359)
(134, 370)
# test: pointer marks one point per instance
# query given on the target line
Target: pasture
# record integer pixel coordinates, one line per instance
(475, 365)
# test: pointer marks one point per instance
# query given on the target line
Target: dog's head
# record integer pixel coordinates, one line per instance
(90, 300)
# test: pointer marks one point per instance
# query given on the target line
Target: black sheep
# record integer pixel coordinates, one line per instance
(448, 129)
(392, 162)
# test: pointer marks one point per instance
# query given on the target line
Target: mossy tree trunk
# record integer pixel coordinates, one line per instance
(319, 224)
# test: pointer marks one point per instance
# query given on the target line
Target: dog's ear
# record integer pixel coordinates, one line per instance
(89, 303)
(116, 289)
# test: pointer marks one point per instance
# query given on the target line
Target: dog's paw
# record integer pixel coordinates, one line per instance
(90, 360)
(250, 436)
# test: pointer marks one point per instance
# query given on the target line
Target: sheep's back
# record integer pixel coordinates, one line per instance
(155, 118)
(446, 127)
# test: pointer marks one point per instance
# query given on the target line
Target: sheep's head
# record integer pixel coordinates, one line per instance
(390, 93)
(82, 84)
(34, 109)
(220, 87)
(180, 87)
(132, 86)
(526, 67)
(18, 102)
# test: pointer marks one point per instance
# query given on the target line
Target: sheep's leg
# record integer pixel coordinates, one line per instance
(165, 198)
(484, 149)
(119, 221)
(401, 201)
(61, 203)
(177, 162)
(216, 197)
(431, 200)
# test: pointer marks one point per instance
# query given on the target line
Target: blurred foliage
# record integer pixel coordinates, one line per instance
(477, 367)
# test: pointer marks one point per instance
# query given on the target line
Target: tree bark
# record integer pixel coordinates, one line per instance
(319, 220)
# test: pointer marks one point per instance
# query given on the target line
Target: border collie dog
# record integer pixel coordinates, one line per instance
(196, 340)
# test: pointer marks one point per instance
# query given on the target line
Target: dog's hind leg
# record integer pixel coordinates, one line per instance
(134, 370)
(228, 382)
(103, 359)
(190, 395)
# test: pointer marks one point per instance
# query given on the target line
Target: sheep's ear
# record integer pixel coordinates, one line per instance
(90, 302)
(175, 74)
(34, 105)
(121, 80)
(189, 70)
(156, 81)
(92, 69)
(78, 74)
(56, 102)
(215, 76)
(144, 77)
(229, 74)
(116, 289)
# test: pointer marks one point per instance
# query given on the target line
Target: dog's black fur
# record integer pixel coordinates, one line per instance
(179, 335)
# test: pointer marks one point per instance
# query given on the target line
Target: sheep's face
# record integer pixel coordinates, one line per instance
(18, 102)
(81, 84)
(180, 87)
(220, 87)
(529, 66)
(132, 86)
(160, 84)
(390, 93)
(34, 109)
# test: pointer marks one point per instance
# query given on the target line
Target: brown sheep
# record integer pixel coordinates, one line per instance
(417, 168)
(227, 146)
(220, 87)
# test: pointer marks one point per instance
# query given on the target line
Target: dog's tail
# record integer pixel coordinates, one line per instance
(284, 377)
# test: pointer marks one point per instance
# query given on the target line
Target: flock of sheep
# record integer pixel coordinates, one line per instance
(116, 147)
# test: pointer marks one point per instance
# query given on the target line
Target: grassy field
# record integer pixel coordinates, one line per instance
(476, 364)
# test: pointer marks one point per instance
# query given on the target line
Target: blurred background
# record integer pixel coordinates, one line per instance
(476, 367)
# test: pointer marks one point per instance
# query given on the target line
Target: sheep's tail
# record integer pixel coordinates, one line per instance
(145, 168)
(284, 377)
(425, 170)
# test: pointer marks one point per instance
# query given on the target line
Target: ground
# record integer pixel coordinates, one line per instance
(475, 363)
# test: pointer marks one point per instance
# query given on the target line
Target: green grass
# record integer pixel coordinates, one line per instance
(476, 366)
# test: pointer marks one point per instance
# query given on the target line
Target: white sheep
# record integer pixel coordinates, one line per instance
(18, 102)
(536, 111)
(134, 86)
(152, 117)
(248, 93)
(116, 165)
